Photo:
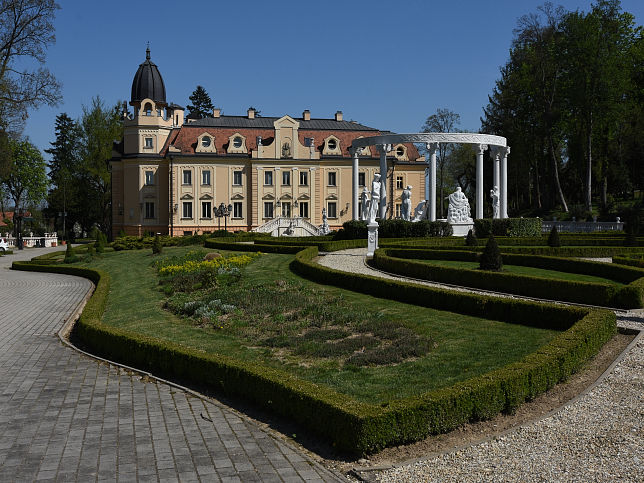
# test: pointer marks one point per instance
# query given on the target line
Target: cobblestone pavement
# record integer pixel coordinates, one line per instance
(598, 437)
(67, 417)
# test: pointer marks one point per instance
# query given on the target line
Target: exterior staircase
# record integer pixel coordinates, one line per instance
(282, 226)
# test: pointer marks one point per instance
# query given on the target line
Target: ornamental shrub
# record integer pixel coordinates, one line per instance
(491, 256)
(70, 256)
(157, 247)
(470, 239)
(553, 238)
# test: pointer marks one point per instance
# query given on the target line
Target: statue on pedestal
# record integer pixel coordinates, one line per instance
(459, 208)
(324, 229)
(375, 199)
(405, 211)
(494, 194)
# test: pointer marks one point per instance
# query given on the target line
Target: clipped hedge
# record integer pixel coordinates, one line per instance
(514, 227)
(355, 229)
(403, 262)
(284, 246)
(351, 425)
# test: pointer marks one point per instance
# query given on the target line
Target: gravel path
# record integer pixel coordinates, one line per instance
(597, 437)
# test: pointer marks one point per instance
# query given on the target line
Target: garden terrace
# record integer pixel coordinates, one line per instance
(563, 338)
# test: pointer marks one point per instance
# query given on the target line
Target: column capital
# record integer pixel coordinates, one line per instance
(432, 147)
(355, 152)
(480, 148)
(384, 148)
(504, 151)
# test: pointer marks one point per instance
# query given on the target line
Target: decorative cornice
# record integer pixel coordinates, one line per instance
(465, 138)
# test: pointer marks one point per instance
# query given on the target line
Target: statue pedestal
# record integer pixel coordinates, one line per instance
(372, 238)
(461, 228)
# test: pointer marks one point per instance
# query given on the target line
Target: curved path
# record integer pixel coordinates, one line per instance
(597, 437)
(67, 417)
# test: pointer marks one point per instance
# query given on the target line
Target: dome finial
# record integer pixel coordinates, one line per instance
(147, 52)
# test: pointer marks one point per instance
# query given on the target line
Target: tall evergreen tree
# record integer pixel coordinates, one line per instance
(201, 105)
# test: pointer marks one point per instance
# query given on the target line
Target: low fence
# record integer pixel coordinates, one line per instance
(47, 240)
(582, 226)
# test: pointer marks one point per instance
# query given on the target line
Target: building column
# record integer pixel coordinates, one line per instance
(480, 149)
(504, 182)
(431, 196)
(496, 178)
(354, 186)
(384, 149)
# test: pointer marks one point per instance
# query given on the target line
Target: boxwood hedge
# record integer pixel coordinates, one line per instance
(351, 425)
(402, 261)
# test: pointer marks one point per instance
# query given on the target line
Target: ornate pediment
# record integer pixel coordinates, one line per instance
(205, 197)
(237, 196)
(268, 196)
(187, 196)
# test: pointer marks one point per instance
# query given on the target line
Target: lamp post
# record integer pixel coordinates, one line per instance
(225, 211)
(18, 215)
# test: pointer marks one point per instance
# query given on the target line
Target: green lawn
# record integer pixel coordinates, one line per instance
(465, 346)
(521, 270)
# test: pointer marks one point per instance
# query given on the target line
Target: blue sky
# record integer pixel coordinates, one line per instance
(385, 64)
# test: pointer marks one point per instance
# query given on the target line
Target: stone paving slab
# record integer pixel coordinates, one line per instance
(67, 417)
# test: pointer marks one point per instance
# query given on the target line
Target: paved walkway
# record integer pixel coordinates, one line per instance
(67, 417)
(598, 437)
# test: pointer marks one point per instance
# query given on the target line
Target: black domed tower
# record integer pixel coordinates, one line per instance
(148, 83)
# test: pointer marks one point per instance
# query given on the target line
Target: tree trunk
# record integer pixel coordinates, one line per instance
(555, 172)
(589, 165)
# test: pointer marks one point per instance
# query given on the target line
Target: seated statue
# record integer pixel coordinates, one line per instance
(459, 208)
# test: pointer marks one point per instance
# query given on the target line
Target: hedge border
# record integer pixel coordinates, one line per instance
(351, 425)
(631, 295)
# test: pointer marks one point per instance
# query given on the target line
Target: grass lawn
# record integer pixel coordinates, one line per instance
(521, 270)
(463, 346)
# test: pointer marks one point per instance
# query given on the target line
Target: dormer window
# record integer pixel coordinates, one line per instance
(332, 146)
(400, 151)
(237, 142)
(206, 143)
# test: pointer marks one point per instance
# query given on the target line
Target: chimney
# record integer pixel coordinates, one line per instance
(251, 113)
(306, 115)
(338, 116)
(216, 112)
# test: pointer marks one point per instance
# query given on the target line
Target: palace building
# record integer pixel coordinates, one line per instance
(170, 174)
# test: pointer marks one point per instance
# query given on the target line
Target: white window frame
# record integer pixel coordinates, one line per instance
(286, 209)
(304, 209)
(187, 175)
(186, 210)
(333, 204)
(237, 174)
(148, 143)
(304, 175)
(206, 210)
(267, 175)
(400, 182)
(286, 178)
(149, 178)
(332, 176)
(205, 174)
(268, 210)
(238, 211)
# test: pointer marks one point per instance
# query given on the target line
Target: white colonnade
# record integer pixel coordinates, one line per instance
(481, 142)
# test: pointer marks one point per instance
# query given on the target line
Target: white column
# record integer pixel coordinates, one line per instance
(496, 179)
(504, 182)
(354, 191)
(431, 196)
(480, 148)
(384, 149)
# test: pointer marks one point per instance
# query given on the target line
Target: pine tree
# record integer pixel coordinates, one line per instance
(553, 238)
(491, 256)
(201, 105)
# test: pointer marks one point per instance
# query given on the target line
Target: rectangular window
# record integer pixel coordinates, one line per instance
(237, 178)
(149, 209)
(187, 233)
(206, 211)
(398, 210)
(187, 176)
(148, 143)
(149, 178)
(286, 178)
(332, 178)
(205, 178)
(268, 179)
(304, 178)
(399, 182)
(331, 211)
(304, 209)
(268, 209)
(187, 209)
(237, 209)
(286, 210)
(361, 178)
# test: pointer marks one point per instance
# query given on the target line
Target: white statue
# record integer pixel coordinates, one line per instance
(420, 213)
(364, 200)
(459, 208)
(405, 211)
(494, 194)
(375, 198)
(324, 229)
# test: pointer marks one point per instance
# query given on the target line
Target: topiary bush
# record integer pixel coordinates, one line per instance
(553, 238)
(470, 239)
(70, 256)
(491, 257)
(157, 247)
